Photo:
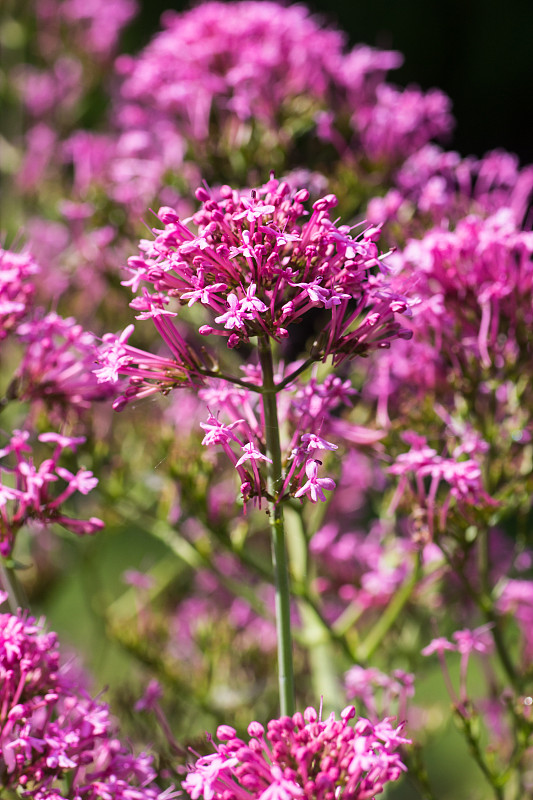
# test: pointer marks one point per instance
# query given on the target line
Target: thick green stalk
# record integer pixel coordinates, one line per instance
(277, 530)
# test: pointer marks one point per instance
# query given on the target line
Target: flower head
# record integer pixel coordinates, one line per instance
(57, 365)
(301, 756)
(255, 280)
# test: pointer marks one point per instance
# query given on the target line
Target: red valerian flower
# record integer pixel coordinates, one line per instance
(301, 756)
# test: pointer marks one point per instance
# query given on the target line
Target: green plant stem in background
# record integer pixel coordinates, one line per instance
(387, 619)
(277, 530)
(485, 603)
(468, 726)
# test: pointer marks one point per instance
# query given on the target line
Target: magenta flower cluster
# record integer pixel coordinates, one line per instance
(309, 413)
(257, 265)
(474, 285)
(56, 742)
(56, 366)
(266, 56)
(301, 756)
(437, 187)
(271, 63)
(467, 642)
(421, 464)
(26, 487)
(473, 282)
(380, 692)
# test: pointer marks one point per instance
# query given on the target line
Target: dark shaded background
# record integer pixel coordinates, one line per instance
(480, 52)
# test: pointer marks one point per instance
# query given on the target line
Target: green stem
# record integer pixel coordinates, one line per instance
(387, 619)
(475, 749)
(290, 378)
(212, 373)
(487, 606)
(277, 530)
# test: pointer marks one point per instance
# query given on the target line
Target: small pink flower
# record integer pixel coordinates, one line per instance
(250, 452)
(438, 645)
(52, 733)
(235, 317)
(314, 486)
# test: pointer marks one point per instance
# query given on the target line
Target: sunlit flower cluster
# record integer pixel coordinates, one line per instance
(301, 756)
(57, 743)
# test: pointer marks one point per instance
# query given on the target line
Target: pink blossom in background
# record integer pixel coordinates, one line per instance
(252, 63)
(56, 366)
(17, 288)
(94, 26)
(438, 187)
(382, 694)
(402, 121)
(422, 463)
(472, 306)
(244, 59)
(52, 734)
(516, 598)
(34, 492)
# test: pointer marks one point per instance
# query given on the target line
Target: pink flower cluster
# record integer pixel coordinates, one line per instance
(516, 598)
(257, 270)
(462, 476)
(301, 756)
(56, 366)
(474, 286)
(44, 90)
(476, 283)
(209, 603)
(466, 643)
(359, 567)
(308, 411)
(73, 44)
(17, 289)
(94, 25)
(400, 122)
(438, 187)
(26, 494)
(56, 742)
(248, 63)
(243, 59)
(380, 692)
